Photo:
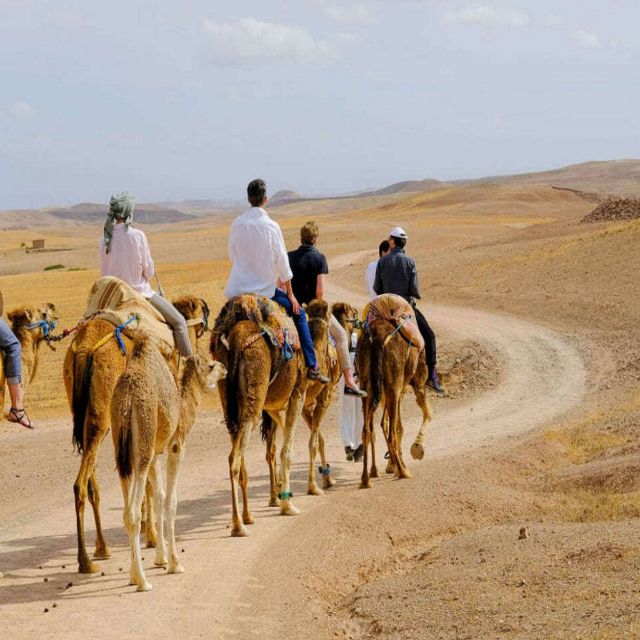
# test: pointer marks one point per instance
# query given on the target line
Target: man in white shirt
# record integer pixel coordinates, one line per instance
(259, 260)
(370, 273)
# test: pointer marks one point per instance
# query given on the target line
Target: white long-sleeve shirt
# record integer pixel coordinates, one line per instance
(129, 259)
(370, 277)
(258, 255)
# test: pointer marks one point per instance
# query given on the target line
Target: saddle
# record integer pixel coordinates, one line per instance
(399, 313)
(113, 300)
(271, 318)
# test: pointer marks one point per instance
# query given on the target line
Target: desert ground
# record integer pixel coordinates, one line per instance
(538, 324)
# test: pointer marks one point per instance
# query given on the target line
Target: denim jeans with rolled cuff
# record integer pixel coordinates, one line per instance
(12, 354)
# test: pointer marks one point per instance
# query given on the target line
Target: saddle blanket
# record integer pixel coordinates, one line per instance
(269, 316)
(398, 312)
(115, 301)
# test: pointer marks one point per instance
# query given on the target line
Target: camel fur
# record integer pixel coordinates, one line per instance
(30, 340)
(387, 367)
(318, 396)
(261, 387)
(150, 414)
(90, 377)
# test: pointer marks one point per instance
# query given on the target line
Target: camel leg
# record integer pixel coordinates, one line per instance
(367, 430)
(149, 518)
(239, 440)
(126, 486)
(274, 501)
(159, 498)
(247, 518)
(327, 480)
(80, 491)
(393, 405)
(313, 488)
(133, 519)
(417, 448)
(102, 551)
(174, 460)
(293, 409)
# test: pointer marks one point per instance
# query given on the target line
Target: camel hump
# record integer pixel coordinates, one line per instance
(397, 311)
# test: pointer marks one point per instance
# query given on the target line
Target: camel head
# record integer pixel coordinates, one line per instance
(195, 311)
(346, 315)
(41, 319)
(203, 372)
(318, 309)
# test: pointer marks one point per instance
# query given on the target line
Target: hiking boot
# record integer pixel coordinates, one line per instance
(355, 392)
(349, 451)
(358, 453)
(434, 383)
(316, 376)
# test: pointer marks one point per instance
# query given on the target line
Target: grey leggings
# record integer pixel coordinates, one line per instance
(176, 322)
(12, 353)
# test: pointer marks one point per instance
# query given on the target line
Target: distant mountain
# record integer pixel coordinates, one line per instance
(144, 213)
(406, 187)
(285, 195)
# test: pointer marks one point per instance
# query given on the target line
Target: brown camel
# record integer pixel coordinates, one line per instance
(318, 396)
(387, 365)
(150, 414)
(32, 326)
(261, 383)
(92, 366)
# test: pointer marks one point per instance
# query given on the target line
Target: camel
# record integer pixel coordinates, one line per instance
(150, 414)
(33, 327)
(388, 364)
(92, 366)
(262, 383)
(318, 396)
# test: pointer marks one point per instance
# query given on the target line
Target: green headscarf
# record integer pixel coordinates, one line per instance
(121, 208)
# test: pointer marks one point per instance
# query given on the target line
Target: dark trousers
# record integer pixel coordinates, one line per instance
(300, 320)
(429, 339)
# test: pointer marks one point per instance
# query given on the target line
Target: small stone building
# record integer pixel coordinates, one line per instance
(38, 244)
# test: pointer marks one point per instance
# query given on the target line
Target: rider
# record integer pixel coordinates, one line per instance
(259, 260)
(310, 269)
(12, 350)
(370, 273)
(124, 253)
(396, 273)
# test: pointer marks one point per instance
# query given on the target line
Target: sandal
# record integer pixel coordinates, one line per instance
(19, 416)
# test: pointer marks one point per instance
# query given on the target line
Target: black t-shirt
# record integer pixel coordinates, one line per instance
(307, 263)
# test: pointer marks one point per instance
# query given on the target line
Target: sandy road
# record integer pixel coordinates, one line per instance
(219, 593)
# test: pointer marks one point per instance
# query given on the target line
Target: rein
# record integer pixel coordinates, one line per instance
(47, 327)
(116, 333)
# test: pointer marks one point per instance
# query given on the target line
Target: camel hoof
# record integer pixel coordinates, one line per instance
(151, 543)
(365, 484)
(239, 532)
(315, 491)
(406, 474)
(328, 482)
(417, 451)
(391, 468)
(175, 567)
(374, 472)
(88, 567)
(145, 586)
(160, 563)
(274, 502)
(248, 519)
(289, 510)
(102, 554)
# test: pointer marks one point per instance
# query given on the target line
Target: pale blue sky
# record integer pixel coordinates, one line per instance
(191, 99)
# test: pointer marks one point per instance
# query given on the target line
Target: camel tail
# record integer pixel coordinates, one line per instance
(81, 398)
(267, 426)
(232, 390)
(124, 443)
(376, 374)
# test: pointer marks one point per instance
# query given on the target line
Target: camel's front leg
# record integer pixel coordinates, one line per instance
(293, 409)
(132, 520)
(417, 448)
(159, 495)
(174, 460)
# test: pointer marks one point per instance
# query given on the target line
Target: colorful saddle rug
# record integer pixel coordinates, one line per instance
(398, 312)
(270, 317)
(115, 301)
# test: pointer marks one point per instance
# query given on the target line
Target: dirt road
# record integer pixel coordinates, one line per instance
(220, 594)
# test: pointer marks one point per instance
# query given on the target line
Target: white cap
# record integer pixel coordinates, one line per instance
(398, 232)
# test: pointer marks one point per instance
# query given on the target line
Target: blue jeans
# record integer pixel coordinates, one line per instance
(300, 320)
(12, 354)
